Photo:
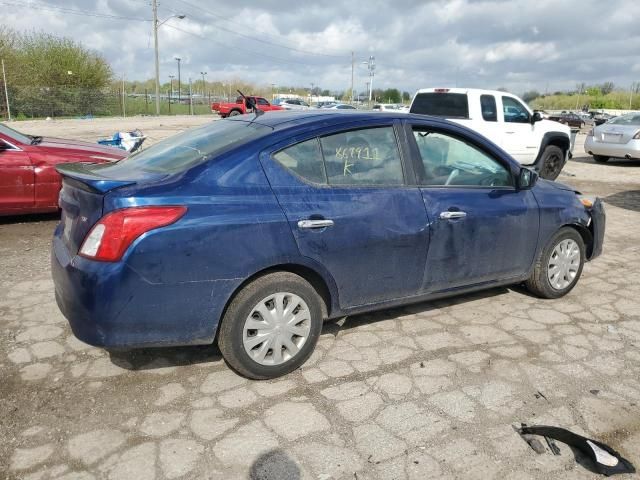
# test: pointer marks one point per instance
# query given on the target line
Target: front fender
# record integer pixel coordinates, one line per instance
(559, 206)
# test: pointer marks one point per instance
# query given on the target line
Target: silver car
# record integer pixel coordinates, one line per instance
(619, 137)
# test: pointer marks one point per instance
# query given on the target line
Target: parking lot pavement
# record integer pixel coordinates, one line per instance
(428, 391)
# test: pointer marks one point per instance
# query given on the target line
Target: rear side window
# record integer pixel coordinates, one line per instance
(488, 107)
(449, 105)
(304, 159)
(363, 157)
(191, 147)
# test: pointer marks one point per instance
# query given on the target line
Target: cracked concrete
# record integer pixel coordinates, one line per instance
(425, 391)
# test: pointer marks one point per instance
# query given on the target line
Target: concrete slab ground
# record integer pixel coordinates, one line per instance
(427, 391)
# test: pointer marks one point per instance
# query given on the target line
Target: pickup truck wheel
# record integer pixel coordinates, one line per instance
(601, 158)
(552, 162)
(558, 266)
(271, 327)
(233, 113)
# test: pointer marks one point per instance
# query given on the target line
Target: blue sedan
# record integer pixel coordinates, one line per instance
(251, 231)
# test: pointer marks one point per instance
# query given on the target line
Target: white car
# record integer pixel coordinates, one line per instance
(504, 119)
(619, 137)
(384, 107)
(294, 104)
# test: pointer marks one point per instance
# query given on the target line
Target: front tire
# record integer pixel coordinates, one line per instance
(558, 266)
(601, 158)
(272, 326)
(552, 162)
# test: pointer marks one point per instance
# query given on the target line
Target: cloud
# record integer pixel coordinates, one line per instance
(516, 44)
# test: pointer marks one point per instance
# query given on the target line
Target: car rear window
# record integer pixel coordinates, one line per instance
(191, 147)
(449, 105)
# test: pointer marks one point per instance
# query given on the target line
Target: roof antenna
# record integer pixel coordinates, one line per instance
(249, 102)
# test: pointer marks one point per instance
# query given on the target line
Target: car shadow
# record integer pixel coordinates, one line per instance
(29, 218)
(629, 200)
(612, 162)
(368, 318)
(164, 357)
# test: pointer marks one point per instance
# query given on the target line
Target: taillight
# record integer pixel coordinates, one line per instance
(115, 232)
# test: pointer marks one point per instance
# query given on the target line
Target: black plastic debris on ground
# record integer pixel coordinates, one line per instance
(605, 460)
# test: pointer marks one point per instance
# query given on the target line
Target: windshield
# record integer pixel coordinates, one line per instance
(17, 136)
(191, 147)
(631, 119)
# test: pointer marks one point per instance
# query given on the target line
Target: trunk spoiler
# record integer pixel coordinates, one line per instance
(85, 174)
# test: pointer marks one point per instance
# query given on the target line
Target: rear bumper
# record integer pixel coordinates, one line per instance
(618, 150)
(110, 305)
(597, 227)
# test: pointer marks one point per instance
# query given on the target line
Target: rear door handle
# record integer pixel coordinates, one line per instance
(452, 215)
(315, 223)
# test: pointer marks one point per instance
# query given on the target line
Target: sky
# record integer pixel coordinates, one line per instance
(515, 44)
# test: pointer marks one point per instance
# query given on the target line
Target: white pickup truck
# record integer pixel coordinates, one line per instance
(505, 120)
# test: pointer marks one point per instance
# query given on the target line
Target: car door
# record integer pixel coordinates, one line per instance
(16, 179)
(483, 229)
(350, 209)
(521, 139)
(263, 104)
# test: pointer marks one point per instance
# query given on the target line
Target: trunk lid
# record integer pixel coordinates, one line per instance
(81, 199)
(612, 133)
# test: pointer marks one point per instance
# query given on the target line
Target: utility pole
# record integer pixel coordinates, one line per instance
(352, 68)
(311, 94)
(155, 42)
(190, 98)
(124, 98)
(179, 83)
(6, 92)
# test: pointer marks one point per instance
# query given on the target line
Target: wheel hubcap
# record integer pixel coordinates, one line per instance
(276, 329)
(563, 264)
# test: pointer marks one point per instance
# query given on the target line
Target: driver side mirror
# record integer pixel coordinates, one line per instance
(536, 117)
(527, 178)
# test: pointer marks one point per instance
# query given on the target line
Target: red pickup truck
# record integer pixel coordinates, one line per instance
(240, 107)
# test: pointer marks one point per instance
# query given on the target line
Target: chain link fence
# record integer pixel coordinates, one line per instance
(60, 102)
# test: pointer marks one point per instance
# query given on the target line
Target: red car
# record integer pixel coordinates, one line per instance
(29, 182)
(240, 107)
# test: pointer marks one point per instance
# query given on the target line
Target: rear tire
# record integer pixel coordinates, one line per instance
(552, 162)
(601, 158)
(259, 311)
(558, 266)
(233, 113)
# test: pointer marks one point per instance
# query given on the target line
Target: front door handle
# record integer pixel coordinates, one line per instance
(315, 223)
(452, 215)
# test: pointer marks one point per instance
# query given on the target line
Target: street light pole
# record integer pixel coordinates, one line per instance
(157, 25)
(179, 84)
(203, 83)
(171, 77)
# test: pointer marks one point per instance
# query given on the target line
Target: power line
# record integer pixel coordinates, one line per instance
(84, 13)
(262, 55)
(250, 37)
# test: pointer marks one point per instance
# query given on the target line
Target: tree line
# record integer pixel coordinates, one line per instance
(592, 97)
